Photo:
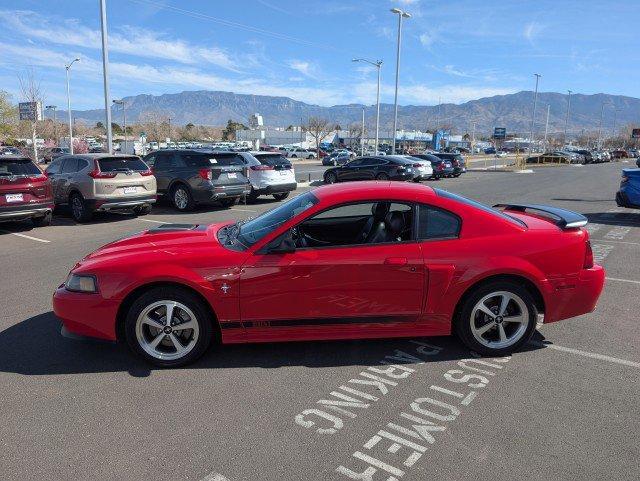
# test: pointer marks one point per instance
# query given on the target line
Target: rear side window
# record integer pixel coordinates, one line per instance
(70, 165)
(54, 167)
(478, 205)
(226, 160)
(437, 223)
(115, 164)
(17, 167)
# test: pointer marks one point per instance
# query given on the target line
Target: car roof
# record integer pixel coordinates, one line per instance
(98, 155)
(372, 189)
(14, 157)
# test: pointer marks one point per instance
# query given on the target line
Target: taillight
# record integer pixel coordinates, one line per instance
(37, 178)
(146, 173)
(205, 174)
(440, 166)
(262, 167)
(588, 256)
(624, 179)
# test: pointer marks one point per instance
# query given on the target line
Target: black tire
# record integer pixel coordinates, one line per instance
(281, 196)
(456, 175)
(252, 196)
(382, 176)
(330, 178)
(294, 156)
(142, 210)
(188, 299)
(228, 202)
(181, 198)
(80, 211)
(463, 321)
(43, 221)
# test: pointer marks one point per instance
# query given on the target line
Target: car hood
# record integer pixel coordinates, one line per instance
(171, 241)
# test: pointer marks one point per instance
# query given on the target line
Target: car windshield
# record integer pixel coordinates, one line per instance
(115, 164)
(478, 205)
(9, 167)
(253, 230)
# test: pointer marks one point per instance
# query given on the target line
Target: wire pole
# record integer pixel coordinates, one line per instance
(533, 116)
(546, 127)
(566, 119)
(105, 74)
(362, 136)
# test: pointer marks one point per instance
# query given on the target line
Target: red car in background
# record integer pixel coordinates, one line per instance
(25, 192)
(347, 261)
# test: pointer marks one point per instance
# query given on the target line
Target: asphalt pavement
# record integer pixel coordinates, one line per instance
(566, 407)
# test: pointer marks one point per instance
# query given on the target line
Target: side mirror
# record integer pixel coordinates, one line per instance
(283, 244)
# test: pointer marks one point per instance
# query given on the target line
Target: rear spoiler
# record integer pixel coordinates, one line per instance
(563, 218)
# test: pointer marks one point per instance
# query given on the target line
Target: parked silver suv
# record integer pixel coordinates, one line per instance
(102, 182)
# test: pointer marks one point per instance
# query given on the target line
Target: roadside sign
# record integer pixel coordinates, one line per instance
(499, 133)
(635, 134)
(30, 111)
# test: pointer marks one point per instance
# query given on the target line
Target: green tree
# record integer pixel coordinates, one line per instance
(229, 133)
(8, 114)
(116, 129)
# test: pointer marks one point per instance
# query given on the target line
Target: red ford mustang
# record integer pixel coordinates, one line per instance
(355, 260)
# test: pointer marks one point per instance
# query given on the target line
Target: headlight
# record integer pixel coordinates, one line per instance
(81, 283)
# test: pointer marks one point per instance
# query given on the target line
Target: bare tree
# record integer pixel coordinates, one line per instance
(31, 92)
(155, 124)
(8, 115)
(355, 134)
(319, 129)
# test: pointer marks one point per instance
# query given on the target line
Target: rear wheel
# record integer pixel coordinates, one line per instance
(382, 176)
(330, 178)
(281, 196)
(497, 318)
(43, 221)
(252, 196)
(80, 211)
(181, 198)
(168, 326)
(228, 202)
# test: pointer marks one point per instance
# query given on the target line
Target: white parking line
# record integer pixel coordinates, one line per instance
(155, 221)
(244, 210)
(630, 281)
(214, 477)
(592, 355)
(26, 236)
(617, 242)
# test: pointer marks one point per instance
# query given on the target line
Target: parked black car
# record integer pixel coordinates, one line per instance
(189, 177)
(441, 167)
(588, 157)
(383, 167)
(457, 161)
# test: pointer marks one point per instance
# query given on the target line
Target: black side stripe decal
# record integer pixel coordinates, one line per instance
(318, 321)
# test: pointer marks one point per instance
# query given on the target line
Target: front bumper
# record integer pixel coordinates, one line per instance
(86, 315)
(25, 211)
(573, 296)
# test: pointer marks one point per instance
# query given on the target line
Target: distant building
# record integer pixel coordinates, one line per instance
(256, 121)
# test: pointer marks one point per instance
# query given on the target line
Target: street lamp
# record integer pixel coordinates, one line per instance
(533, 116)
(401, 14)
(105, 73)
(377, 64)
(55, 130)
(124, 121)
(67, 67)
(566, 119)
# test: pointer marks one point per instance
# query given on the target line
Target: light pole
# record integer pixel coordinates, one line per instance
(67, 67)
(362, 135)
(55, 130)
(124, 121)
(600, 127)
(566, 119)
(376, 64)
(105, 74)
(533, 116)
(401, 14)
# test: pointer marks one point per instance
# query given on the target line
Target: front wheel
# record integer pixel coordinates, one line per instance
(181, 198)
(281, 196)
(497, 318)
(80, 211)
(168, 327)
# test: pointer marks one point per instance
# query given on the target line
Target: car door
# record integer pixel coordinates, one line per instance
(350, 170)
(337, 290)
(65, 177)
(160, 166)
(53, 173)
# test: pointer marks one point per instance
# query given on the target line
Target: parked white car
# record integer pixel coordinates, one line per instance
(299, 153)
(269, 173)
(425, 169)
(501, 154)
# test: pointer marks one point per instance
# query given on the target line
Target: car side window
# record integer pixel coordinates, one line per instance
(150, 160)
(436, 223)
(362, 223)
(161, 161)
(54, 167)
(82, 163)
(70, 165)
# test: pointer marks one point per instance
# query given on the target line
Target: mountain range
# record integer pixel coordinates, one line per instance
(512, 111)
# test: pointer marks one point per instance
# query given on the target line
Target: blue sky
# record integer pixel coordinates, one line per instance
(454, 51)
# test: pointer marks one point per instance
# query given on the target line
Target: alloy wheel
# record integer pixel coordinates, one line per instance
(181, 198)
(76, 207)
(499, 319)
(167, 330)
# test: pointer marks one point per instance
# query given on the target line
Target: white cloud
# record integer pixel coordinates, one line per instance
(427, 38)
(406, 2)
(306, 68)
(132, 41)
(532, 30)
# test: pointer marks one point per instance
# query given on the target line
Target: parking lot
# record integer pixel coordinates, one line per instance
(564, 408)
